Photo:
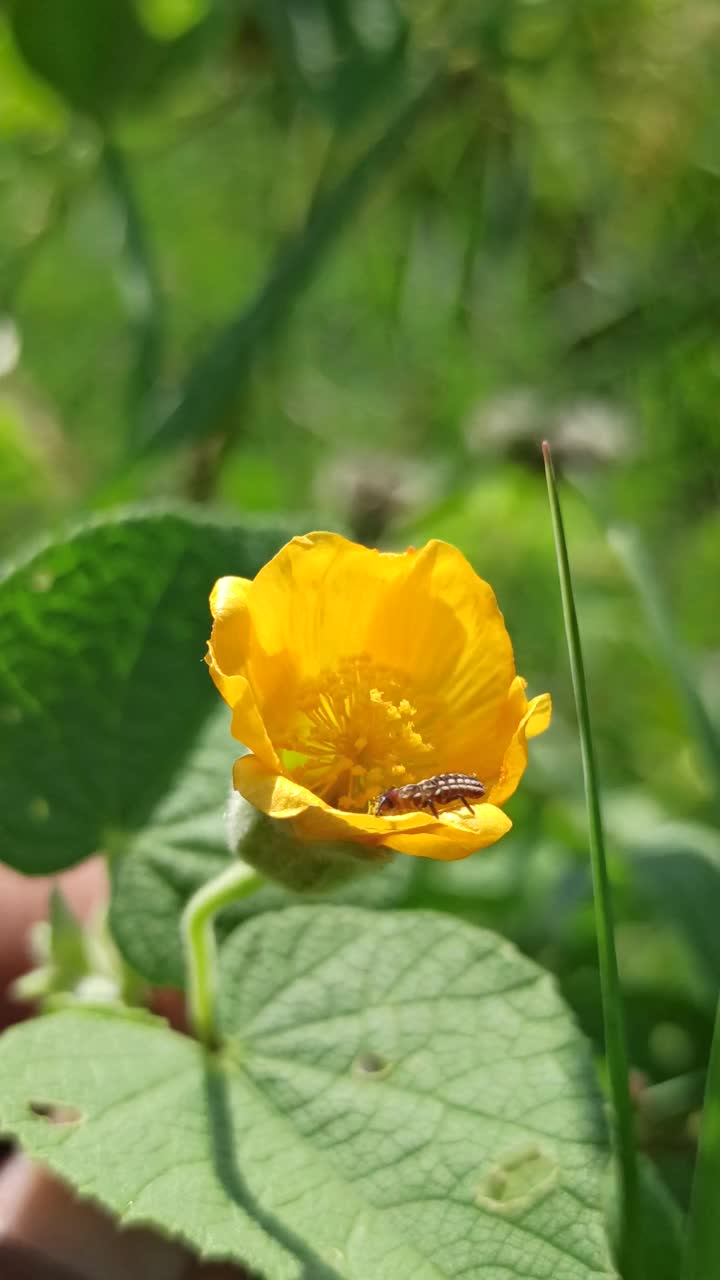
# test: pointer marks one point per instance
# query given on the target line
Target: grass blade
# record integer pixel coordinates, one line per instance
(615, 1043)
(702, 1251)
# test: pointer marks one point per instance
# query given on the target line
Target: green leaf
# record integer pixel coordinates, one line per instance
(102, 686)
(97, 56)
(86, 52)
(183, 845)
(26, 106)
(401, 1097)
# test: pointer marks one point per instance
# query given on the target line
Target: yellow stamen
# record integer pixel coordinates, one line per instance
(355, 732)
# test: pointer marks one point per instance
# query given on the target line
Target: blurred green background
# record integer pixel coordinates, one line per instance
(350, 261)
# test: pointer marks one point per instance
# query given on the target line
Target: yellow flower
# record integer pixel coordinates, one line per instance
(350, 671)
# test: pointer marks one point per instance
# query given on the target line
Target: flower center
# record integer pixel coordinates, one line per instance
(356, 733)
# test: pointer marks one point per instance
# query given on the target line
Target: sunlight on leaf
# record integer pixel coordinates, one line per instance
(102, 687)
(281, 1154)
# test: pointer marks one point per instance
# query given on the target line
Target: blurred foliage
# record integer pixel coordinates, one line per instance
(353, 259)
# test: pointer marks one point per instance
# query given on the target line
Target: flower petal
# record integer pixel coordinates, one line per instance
(306, 599)
(228, 605)
(539, 715)
(441, 623)
(425, 615)
(454, 836)
(423, 621)
(451, 836)
(247, 724)
(313, 819)
(302, 618)
(226, 656)
(535, 720)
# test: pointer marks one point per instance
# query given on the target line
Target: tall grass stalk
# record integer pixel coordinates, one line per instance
(702, 1250)
(615, 1042)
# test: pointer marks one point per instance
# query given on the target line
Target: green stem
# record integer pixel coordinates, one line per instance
(702, 1249)
(200, 947)
(615, 1043)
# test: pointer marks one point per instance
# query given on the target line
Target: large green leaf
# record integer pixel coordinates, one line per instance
(97, 56)
(401, 1097)
(102, 686)
(183, 845)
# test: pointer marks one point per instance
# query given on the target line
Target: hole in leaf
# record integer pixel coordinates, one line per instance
(56, 1112)
(370, 1066)
(335, 1256)
(519, 1181)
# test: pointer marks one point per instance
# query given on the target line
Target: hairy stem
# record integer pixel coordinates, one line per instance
(200, 947)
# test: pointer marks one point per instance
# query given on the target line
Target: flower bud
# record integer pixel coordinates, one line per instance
(268, 845)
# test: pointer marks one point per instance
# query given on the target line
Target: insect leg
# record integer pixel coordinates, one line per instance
(433, 808)
(467, 805)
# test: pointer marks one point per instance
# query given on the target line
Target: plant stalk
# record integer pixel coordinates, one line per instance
(200, 946)
(702, 1246)
(614, 1025)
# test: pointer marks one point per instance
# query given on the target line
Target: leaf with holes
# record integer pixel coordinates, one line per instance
(102, 687)
(400, 1097)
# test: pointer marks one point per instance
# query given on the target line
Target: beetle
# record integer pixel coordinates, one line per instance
(442, 789)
